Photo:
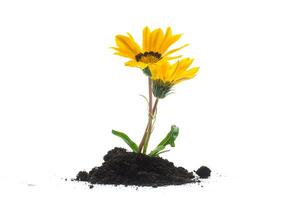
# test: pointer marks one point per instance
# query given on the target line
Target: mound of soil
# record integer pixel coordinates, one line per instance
(127, 168)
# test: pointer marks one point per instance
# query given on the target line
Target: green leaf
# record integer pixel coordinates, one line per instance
(126, 139)
(163, 152)
(168, 140)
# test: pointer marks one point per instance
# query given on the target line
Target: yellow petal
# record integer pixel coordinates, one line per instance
(126, 44)
(135, 45)
(180, 68)
(122, 53)
(146, 34)
(164, 40)
(133, 63)
(154, 71)
(187, 75)
(172, 58)
(164, 71)
(184, 64)
(171, 41)
(154, 35)
(157, 40)
(174, 50)
(191, 73)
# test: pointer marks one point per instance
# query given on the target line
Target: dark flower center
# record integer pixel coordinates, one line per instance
(148, 57)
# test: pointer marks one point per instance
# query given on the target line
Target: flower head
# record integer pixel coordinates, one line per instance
(155, 47)
(166, 75)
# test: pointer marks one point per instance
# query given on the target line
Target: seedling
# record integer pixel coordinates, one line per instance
(155, 60)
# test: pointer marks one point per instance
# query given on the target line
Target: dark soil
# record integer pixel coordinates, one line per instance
(127, 168)
(203, 172)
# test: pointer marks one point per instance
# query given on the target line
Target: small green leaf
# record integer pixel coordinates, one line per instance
(126, 139)
(168, 140)
(171, 137)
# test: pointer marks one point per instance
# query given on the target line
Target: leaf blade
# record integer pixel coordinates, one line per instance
(168, 140)
(126, 139)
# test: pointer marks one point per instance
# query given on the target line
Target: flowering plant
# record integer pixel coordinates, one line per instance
(155, 60)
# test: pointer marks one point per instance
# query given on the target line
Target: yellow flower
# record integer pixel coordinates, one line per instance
(166, 75)
(155, 47)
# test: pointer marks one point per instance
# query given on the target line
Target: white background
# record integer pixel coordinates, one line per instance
(62, 91)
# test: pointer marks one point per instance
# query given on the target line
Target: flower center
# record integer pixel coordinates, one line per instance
(148, 57)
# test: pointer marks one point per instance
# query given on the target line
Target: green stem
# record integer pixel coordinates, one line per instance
(149, 124)
(149, 131)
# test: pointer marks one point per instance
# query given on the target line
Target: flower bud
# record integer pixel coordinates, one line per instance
(161, 89)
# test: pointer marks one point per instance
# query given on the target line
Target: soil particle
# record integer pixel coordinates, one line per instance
(203, 172)
(127, 168)
(82, 176)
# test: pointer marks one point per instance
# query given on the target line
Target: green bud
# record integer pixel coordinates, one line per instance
(161, 89)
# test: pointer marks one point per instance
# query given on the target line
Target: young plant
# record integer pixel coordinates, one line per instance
(153, 58)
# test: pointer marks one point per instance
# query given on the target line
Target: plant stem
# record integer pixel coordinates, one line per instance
(149, 124)
(149, 131)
